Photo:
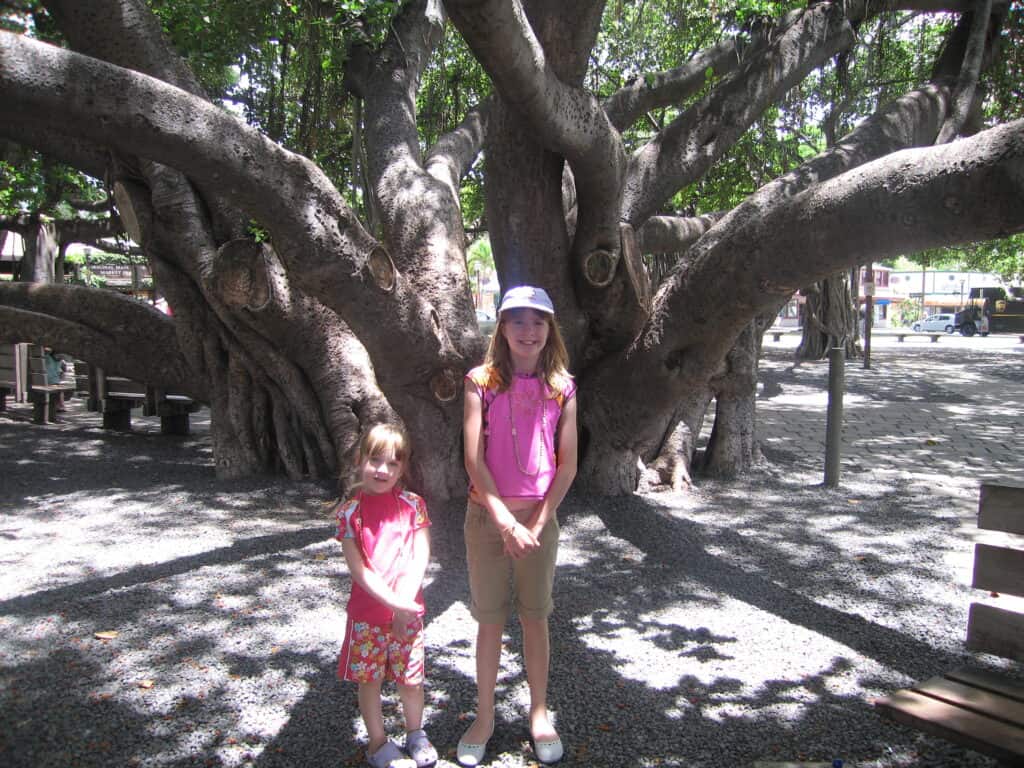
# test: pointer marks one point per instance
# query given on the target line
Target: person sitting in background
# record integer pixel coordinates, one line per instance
(55, 369)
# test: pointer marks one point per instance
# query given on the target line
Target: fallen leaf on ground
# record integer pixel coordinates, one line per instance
(147, 684)
(109, 634)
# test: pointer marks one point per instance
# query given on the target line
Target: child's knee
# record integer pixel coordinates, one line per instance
(371, 686)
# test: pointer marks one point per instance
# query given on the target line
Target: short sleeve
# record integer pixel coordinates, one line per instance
(420, 517)
(569, 391)
(478, 378)
(343, 516)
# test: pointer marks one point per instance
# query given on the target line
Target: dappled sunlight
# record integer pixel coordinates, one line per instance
(188, 615)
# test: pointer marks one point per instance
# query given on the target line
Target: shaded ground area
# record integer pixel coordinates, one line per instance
(738, 622)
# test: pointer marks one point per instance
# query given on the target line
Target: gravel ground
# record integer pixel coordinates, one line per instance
(735, 623)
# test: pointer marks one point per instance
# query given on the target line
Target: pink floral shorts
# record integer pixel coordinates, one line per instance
(370, 653)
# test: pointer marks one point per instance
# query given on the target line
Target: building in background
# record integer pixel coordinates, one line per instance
(942, 290)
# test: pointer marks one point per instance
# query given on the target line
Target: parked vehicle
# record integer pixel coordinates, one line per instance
(991, 310)
(940, 322)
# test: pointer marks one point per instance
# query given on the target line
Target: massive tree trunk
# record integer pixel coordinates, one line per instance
(300, 342)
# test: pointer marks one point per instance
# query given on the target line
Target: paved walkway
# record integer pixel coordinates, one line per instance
(956, 407)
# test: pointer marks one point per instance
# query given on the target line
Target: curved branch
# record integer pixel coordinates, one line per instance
(672, 234)
(911, 121)
(629, 103)
(568, 121)
(286, 192)
(387, 80)
(685, 149)
(915, 199)
(454, 153)
(130, 37)
(106, 328)
(918, 198)
(963, 93)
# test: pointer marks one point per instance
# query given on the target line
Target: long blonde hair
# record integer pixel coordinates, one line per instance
(554, 358)
(382, 439)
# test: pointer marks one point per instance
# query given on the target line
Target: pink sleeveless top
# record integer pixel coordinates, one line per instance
(520, 431)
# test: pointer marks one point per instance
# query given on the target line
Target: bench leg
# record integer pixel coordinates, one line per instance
(117, 417)
(174, 424)
(44, 407)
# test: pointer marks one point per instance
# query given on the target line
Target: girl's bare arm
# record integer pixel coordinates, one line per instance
(564, 473)
(372, 582)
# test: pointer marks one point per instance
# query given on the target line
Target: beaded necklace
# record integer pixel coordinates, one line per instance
(515, 438)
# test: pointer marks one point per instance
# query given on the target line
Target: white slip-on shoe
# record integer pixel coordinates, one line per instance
(548, 751)
(469, 754)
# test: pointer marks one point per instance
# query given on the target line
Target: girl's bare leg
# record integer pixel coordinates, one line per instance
(373, 716)
(412, 706)
(488, 656)
(536, 653)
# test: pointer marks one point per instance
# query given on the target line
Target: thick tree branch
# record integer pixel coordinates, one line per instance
(454, 153)
(686, 148)
(963, 93)
(130, 37)
(287, 193)
(911, 121)
(915, 199)
(568, 121)
(629, 103)
(673, 234)
(919, 198)
(106, 328)
(419, 210)
(387, 80)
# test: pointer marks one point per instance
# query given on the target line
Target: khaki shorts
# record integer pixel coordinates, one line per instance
(490, 568)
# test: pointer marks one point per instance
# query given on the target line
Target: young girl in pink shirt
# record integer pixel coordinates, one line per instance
(384, 533)
(520, 450)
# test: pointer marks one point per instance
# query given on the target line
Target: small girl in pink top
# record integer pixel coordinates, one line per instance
(519, 426)
(384, 533)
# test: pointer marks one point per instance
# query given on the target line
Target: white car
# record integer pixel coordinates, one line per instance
(932, 323)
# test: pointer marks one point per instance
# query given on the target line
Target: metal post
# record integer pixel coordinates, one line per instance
(869, 311)
(834, 423)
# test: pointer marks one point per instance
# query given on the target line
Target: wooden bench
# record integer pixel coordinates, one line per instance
(117, 396)
(45, 396)
(981, 710)
(173, 408)
(777, 335)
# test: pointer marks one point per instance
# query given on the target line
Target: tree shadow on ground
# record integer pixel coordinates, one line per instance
(680, 637)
